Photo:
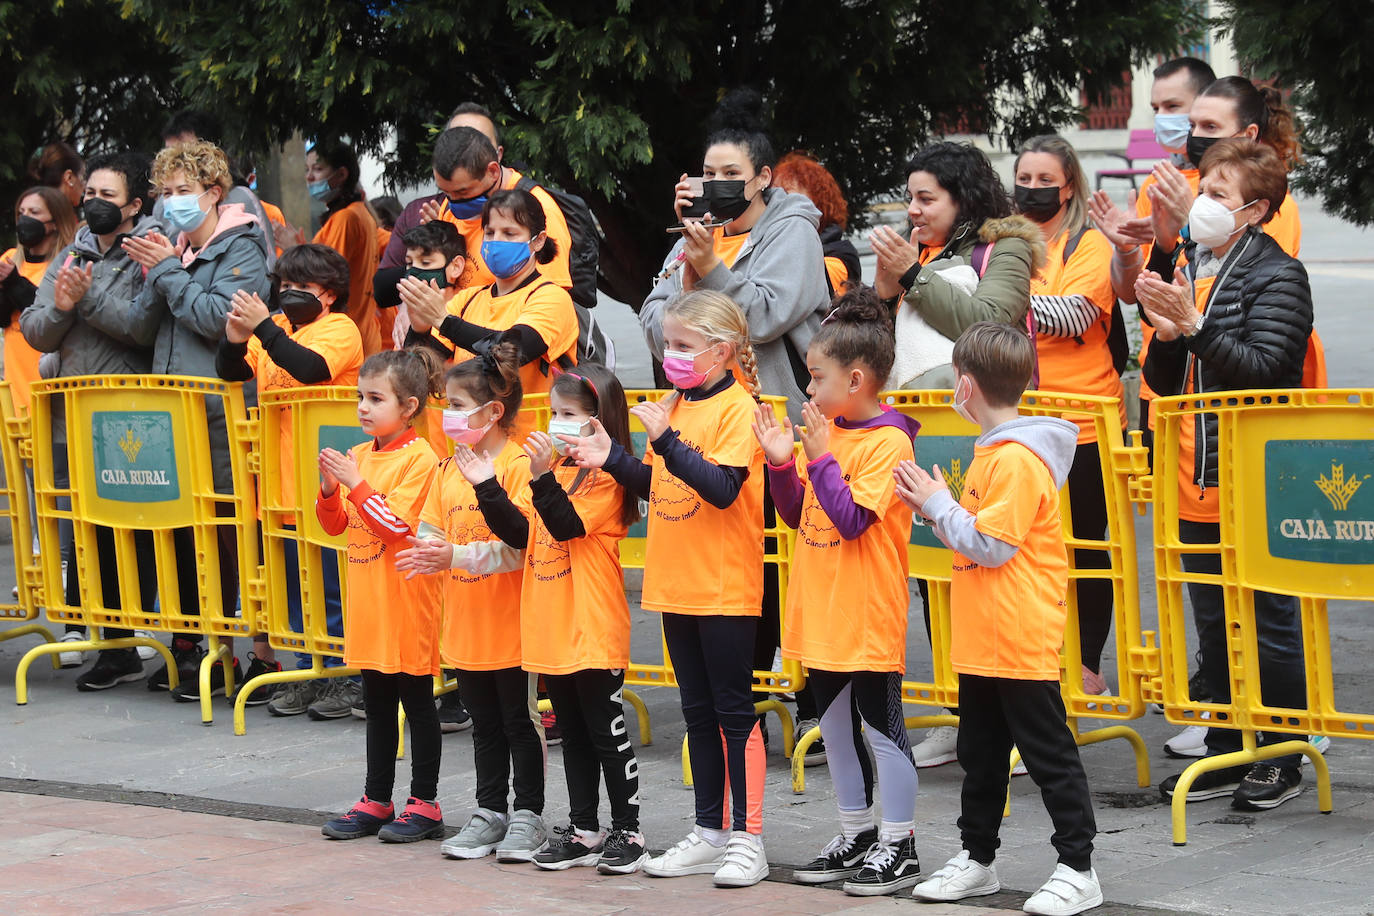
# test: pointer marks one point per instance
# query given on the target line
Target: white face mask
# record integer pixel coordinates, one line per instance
(963, 390)
(1210, 224)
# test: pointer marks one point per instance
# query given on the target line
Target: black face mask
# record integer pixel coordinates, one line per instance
(424, 274)
(726, 197)
(103, 217)
(30, 231)
(299, 306)
(1038, 204)
(1198, 146)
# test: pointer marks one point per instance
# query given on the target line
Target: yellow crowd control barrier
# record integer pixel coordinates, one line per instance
(1296, 518)
(15, 496)
(140, 493)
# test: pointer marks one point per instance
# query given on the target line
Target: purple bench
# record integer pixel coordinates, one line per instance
(1142, 146)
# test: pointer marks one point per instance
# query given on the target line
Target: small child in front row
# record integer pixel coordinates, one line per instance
(1007, 620)
(848, 596)
(375, 492)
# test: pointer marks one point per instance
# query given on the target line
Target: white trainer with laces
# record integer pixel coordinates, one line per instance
(147, 653)
(1191, 742)
(960, 877)
(72, 658)
(939, 747)
(691, 856)
(1066, 893)
(745, 863)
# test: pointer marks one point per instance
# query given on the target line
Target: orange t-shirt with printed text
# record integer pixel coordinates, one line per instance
(391, 623)
(21, 360)
(352, 232)
(573, 612)
(1008, 621)
(556, 225)
(481, 630)
(847, 600)
(1083, 364)
(333, 336)
(699, 559)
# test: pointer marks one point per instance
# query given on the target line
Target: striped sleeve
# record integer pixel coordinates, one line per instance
(1063, 316)
(377, 515)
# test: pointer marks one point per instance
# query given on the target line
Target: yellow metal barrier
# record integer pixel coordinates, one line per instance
(1296, 518)
(15, 495)
(140, 463)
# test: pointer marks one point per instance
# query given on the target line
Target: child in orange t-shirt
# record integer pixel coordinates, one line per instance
(848, 596)
(392, 622)
(703, 477)
(1007, 618)
(463, 522)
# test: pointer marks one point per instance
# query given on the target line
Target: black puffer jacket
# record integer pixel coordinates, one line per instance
(1253, 335)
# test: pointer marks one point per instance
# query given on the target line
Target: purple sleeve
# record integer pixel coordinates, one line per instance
(850, 519)
(787, 491)
(395, 254)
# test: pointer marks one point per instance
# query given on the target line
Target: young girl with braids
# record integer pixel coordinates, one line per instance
(703, 478)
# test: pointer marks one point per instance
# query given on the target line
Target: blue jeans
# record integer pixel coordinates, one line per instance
(333, 606)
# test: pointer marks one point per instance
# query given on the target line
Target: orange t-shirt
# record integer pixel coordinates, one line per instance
(699, 559)
(556, 225)
(335, 337)
(847, 600)
(728, 247)
(1008, 621)
(352, 232)
(573, 613)
(481, 612)
(391, 623)
(838, 274)
(1083, 364)
(1194, 503)
(21, 360)
(277, 218)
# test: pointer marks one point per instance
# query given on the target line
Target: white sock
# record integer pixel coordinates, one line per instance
(715, 837)
(893, 832)
(853, 823)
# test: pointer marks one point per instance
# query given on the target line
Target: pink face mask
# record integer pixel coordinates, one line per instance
(681, 368)
(456, 426)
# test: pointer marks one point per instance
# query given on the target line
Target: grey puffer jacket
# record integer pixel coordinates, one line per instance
(107, 333)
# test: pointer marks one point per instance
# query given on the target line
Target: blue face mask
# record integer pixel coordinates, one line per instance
(1171, 131)
(504, 259)
(471, 207)
(320, 190)
(183, 213)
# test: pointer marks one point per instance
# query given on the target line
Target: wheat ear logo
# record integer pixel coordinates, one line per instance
(131, 445)
(1338, 488)
(955, 478)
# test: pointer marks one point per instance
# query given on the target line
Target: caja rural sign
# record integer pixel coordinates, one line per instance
(1320, 500)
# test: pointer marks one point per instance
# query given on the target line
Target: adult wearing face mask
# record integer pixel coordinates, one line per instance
(215, 249)
(331, 174)
(1236, 316)
(1071, 299)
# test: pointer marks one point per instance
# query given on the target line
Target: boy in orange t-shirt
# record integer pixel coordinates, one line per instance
(1007, 620)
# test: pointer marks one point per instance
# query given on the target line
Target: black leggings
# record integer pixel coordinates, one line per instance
(506, 738)
(415, 692)
(1088, 508)
(109, 578)
(596, 743)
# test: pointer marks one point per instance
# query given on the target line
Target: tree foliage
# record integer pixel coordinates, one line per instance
(1324, 52)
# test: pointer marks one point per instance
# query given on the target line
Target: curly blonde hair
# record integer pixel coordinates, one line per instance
(717, 318)
(203, 163)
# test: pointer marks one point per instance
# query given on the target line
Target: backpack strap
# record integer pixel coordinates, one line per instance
(1072, 244)
(982, 253)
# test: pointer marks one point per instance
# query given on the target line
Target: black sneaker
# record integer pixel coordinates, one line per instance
(257, 666)
(112, 666)
(452, 716)
(1212, 784)
(1267, 786)
(622, 853)
(569, 847)
(421, 820)
(188, 691)
(888, 867)
(841, 858)
(187, 655)
(359, 710)
(363, 819)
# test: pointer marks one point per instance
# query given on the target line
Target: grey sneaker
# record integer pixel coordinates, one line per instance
(479, 837)
(524, 837)
(294, 698)
(336, 699)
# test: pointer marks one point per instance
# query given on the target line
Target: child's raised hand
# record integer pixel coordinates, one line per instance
(474, 467)
(815, 438)
(342, 468)
(776, 438)
(915, 487)
(589, 451)
(328, 482)
(654, 416)
(424, 556)
(540, 449)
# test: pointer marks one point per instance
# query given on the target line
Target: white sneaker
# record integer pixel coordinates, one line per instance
(147, 653)
(1322, 743)
(691, 856)
(1191, 742)
(939, 747)
(1066, 893)
(479, 837)
(71, 658)
(745, 864)
(960, 877)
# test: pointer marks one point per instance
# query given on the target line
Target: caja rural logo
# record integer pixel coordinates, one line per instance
(135, 458)
(1320, 508)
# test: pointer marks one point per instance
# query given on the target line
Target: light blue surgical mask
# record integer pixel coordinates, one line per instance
(1171, 131)
(564, 428)
(320, 190)
(182, 212)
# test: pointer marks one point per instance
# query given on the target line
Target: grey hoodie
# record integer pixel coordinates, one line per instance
(1054, 442)
(779, 283)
